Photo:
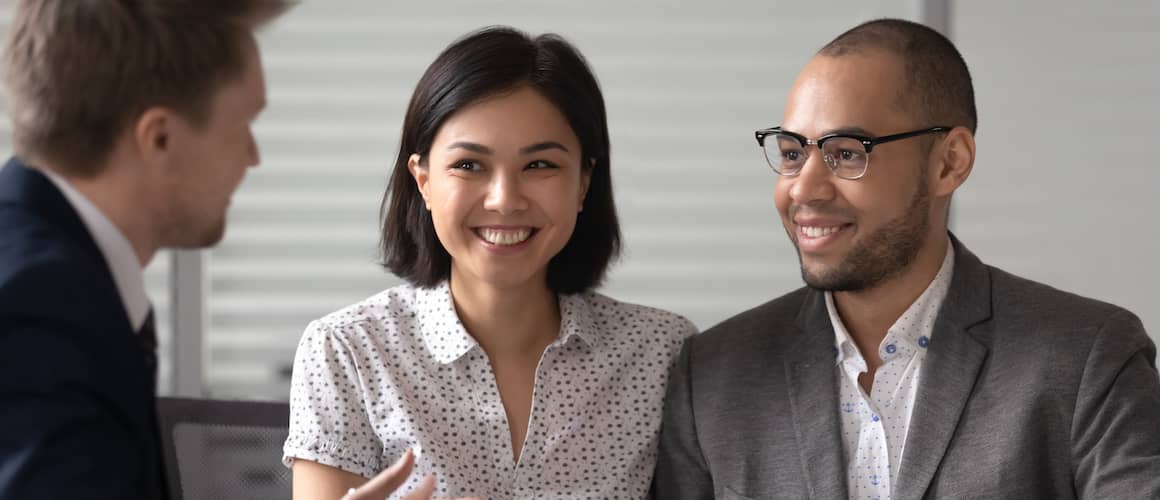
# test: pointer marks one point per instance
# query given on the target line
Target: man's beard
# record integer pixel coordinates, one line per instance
(880, 256)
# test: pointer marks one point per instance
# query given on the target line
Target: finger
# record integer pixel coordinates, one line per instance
(387, 481)
(424, 491)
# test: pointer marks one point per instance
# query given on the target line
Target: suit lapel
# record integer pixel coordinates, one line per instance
(948, 374)
(813, 390)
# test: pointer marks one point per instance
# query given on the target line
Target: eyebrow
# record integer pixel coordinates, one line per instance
(839, 131)
(543, 146)
(470, 146)
(481, 149)
(849, 131)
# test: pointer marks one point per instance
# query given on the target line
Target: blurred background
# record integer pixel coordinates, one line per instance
(1064, 189)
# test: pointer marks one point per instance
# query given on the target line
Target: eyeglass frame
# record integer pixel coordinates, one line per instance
(868, 143)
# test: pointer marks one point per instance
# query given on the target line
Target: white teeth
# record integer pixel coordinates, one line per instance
(818, 232)
(505, 236)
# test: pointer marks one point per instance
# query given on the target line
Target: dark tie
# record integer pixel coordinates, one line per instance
(148, 339)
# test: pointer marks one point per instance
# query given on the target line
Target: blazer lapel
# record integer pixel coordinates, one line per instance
(813, 390)
(948, 374)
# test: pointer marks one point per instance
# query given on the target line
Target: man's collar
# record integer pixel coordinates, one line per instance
(118, 252)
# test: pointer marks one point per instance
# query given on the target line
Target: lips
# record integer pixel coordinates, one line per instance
(816, 235)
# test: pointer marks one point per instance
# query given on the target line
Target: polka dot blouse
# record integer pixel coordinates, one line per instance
(399, 370)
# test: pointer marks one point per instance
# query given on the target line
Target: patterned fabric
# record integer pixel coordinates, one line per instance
(875, 425)
(399, 370)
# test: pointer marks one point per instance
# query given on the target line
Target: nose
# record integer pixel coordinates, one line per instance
(505, 193)
(814, 183)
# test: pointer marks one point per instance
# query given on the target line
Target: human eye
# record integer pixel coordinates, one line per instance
(466, 166)
(850, 155)
(541, 165)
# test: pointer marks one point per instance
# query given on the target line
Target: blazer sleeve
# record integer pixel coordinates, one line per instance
(1116, 424)
(681, 471)
(59, 438)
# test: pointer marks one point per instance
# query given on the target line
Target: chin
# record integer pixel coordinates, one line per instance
(203, 237)
(828, 278)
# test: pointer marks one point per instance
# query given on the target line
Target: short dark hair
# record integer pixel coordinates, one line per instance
(479, 65)
(77, 73)
(939, 88)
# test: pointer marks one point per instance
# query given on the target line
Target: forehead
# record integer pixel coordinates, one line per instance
(860, 90)
(246, 93)
(525, 116)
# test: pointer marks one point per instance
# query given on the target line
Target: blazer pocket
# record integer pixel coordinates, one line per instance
(730, 494)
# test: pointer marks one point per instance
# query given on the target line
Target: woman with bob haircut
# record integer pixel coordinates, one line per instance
(496, 359)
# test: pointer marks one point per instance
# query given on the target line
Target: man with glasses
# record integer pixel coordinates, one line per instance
(906, 368)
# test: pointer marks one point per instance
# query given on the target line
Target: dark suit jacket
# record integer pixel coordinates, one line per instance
(1026, 392)
(77, 406)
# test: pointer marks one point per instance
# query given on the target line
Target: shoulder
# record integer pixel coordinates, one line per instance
(43, 272)
(1037, 306)
(386, 312)
(402, 300)
(757, 320)
(626, 319)
(1040, 311)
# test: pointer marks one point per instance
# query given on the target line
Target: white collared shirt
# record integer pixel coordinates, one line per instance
(118, 252)
(399, 370)
(875, 426)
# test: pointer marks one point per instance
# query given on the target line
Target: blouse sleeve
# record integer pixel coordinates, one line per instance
(328, 418)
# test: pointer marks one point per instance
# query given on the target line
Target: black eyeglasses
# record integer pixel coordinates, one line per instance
(847, 155)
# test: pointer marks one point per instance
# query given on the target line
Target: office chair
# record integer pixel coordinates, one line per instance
(224, 449)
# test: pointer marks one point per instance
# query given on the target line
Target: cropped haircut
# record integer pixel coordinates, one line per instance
(938, 87)
(77, 73)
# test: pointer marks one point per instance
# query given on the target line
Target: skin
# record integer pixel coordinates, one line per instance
(168, 181)
(886, 231)
(501, 169)
(527, 176)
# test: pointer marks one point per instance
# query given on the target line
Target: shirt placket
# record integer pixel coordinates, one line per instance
(870, 477)
(530, 460)
(486, 395)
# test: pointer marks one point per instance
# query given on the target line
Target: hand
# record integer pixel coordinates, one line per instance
(391, 479)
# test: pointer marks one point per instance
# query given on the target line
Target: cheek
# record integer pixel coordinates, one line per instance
(781, 195)
(561, 197)
(450, 201)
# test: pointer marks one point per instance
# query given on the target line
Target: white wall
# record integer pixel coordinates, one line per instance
(1063, 190)
(1066, 187)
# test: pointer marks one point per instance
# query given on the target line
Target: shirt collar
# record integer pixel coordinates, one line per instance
(915, 327)
(119, 255)
(447, 339)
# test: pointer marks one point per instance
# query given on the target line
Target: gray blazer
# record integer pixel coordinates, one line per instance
(1026, 392)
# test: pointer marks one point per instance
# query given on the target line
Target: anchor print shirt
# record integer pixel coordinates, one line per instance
(874, 426)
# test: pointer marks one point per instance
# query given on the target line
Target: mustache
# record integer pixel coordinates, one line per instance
(821, 211)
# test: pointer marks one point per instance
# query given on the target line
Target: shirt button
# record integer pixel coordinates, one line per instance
(890, 348)
(923, 341)
(874, 418)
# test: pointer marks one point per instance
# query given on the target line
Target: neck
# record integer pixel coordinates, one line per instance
(868, 314)
(507, 321)
(117, 191)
